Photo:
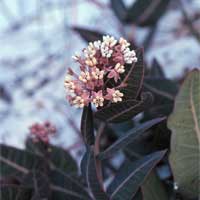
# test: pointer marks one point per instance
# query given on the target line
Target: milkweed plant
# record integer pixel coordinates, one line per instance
(140, 132)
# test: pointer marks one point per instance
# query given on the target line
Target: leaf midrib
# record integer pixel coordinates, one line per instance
(194, 115)
(26, 171)
(125, 111)
(134, 172)
(150, 9)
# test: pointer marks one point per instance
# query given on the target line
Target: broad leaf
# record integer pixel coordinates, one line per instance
(62, 160)
(92, 177)
(156, 70)
(125, 110)
(40, 183)
(58, 157)
(87, 127)
(146, 12)
(133, 77)
(161, 87)
(138, 195)
(14, 192)
(119, 9)
(164, 91)
(70, 186)
(132, 175)
(15, 161)
(153, 188)
(131, 80)
(129, 138)
(88, 35)
(64, 194)
(184, 123)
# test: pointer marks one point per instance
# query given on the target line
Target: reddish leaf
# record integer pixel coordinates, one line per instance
(134, 77)
(119, 112)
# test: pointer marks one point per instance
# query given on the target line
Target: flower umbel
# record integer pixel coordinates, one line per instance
(42, 132)
(102, 62)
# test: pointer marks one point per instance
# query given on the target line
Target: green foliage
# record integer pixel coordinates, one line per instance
(142, 12)
(54, 155)
(40, 172)
(185, 141)
(128, 138)
(153, 188)
(132, 175)
(122, 111)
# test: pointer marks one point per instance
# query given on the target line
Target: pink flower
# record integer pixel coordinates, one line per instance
(101, 61)
(114, 74)
(110, 92)
(114, 95)
(86, 97)
(98, 99)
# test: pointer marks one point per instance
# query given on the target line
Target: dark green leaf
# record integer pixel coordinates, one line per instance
(88, 35)
(136, 149)
(138, 195)
(164, 91)
(161, 87)
(14, 161)
(92, 178)
(63, 194)
(133, 77)
(58, 157)
(156, 70)
(121, 128)
(39, 147)
(131, 176)
(14, 192)
(87, 126)
(69, 184)
(129, 137)
(153, 188)
(184, 123)
(40, 184)
(119, 9)
(119, 112)
(147, 12)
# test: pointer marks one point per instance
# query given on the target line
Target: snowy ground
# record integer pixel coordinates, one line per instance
(36, 49)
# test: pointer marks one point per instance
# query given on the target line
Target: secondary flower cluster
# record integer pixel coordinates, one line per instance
(101, 61)
(41, 132)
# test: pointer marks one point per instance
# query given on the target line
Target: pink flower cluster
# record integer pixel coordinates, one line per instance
(41, 132)
(101, 61)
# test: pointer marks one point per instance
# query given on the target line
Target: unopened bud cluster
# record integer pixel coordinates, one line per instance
(101, 61)
(42, 132)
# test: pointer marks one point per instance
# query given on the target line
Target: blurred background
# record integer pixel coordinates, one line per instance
(38, 38)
